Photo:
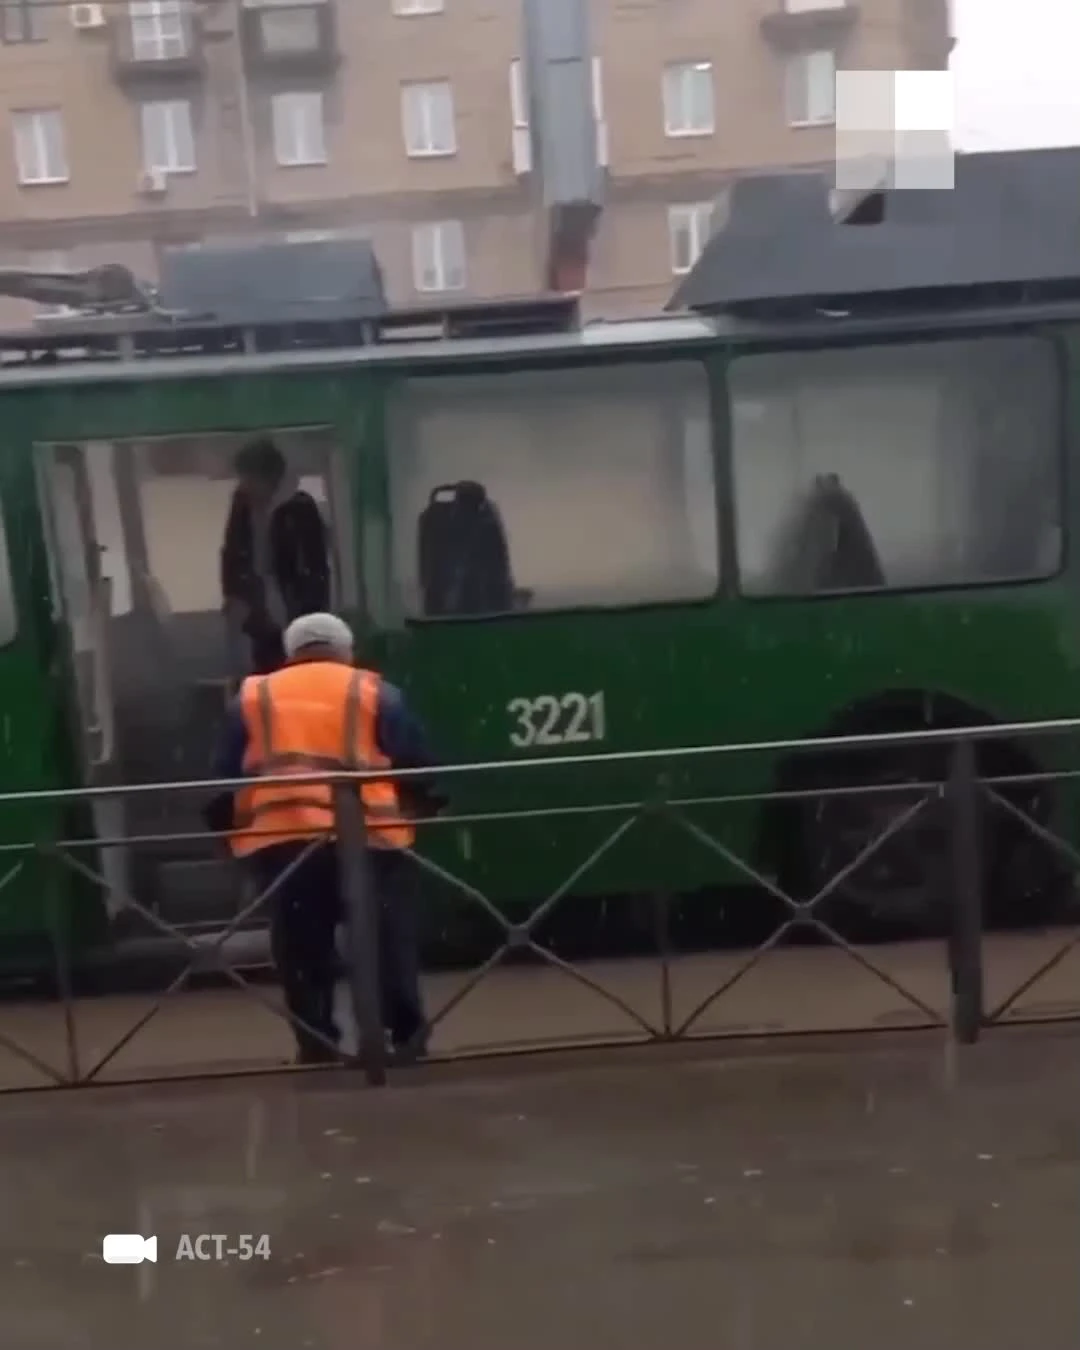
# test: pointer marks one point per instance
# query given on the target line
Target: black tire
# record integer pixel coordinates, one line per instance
(903, 887)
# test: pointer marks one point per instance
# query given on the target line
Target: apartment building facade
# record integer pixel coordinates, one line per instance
(138, 125)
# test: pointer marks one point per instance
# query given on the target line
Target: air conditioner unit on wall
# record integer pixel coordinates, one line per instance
(153, 182)
(87, 16)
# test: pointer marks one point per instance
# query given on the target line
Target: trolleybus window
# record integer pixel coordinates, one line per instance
(898, 466)
(553, 489)
(9, 618)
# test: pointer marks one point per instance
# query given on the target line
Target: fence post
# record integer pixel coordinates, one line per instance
(964, 810)
(61, 945)
(362, 927)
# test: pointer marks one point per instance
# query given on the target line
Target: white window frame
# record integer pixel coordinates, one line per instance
(520, 139)
(157, 30)
(167, 126)
(603, 153)
(423, 137)
(414, 9)
(30, 129)
(519, 103)
(678, 99)
(521, 144)
(434, 245)
(808, 106)
(297, 143)
(695, 219)
(22, 21)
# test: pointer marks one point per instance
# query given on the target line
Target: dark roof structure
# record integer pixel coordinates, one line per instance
(240, 284)
(251, 298)
(275, 282)
(110, 289)
(1011, 225)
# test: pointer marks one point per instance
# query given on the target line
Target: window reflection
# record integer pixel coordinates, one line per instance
(897, 466)
(545, 490)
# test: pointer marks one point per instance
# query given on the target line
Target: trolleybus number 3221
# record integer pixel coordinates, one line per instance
(557, 719)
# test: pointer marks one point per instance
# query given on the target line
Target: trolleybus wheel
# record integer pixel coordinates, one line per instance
(905, 885)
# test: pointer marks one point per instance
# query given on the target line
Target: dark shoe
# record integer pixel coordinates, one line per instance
(408, 1052)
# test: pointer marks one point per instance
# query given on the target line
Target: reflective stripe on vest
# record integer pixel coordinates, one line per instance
(274, 813)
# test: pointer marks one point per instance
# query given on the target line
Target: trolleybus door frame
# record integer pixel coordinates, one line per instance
(82, 603)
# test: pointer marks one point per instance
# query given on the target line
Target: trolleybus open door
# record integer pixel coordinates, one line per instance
(82, 605)
(136, 530)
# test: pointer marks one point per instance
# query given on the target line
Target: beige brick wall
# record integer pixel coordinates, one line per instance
(371, 184)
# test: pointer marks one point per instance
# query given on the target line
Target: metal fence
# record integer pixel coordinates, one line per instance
(965, 806)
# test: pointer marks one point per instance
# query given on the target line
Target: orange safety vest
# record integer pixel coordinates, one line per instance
(305, 718)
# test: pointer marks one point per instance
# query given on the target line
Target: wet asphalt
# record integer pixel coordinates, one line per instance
(822, 1200)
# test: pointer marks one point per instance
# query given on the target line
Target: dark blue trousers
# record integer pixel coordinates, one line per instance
(305, 911)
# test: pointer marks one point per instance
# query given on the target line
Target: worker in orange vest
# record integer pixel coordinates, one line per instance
(318, 712)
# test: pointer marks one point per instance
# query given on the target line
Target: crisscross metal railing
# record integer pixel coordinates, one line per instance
(991, 802)
(348, 839)
(961, 800)
(520, 936)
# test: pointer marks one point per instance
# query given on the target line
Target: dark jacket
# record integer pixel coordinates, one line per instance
(299, 556)
(398, 735)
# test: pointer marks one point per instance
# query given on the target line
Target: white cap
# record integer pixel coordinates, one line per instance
(319, 630)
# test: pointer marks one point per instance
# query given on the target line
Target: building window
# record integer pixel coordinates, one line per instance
(520, 137)
(40, 149)
(438, 256)
(409, 7)
(168, 139)
(427, 114)
(689, 227)
(603, 154)
(554, 489)
(157, 30)
(519, 102)
(22, 21)
(299, 128)
(810, 87)
(895, 467)
(688, 99)
(290, 30)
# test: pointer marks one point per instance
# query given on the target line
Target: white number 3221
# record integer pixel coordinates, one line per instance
(557, 719)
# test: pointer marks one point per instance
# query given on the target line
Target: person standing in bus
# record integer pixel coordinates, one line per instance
(320, 713)
(275, 557)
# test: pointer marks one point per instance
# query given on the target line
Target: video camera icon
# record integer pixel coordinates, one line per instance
(128, 1249)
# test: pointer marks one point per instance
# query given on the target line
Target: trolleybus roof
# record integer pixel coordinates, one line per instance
(1004, 247)
(1009, 228)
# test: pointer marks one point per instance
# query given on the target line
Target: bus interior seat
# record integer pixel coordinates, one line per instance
(464, 558)
(833, 547)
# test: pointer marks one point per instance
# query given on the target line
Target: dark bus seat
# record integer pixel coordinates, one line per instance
(464, 559)
(833, 547)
